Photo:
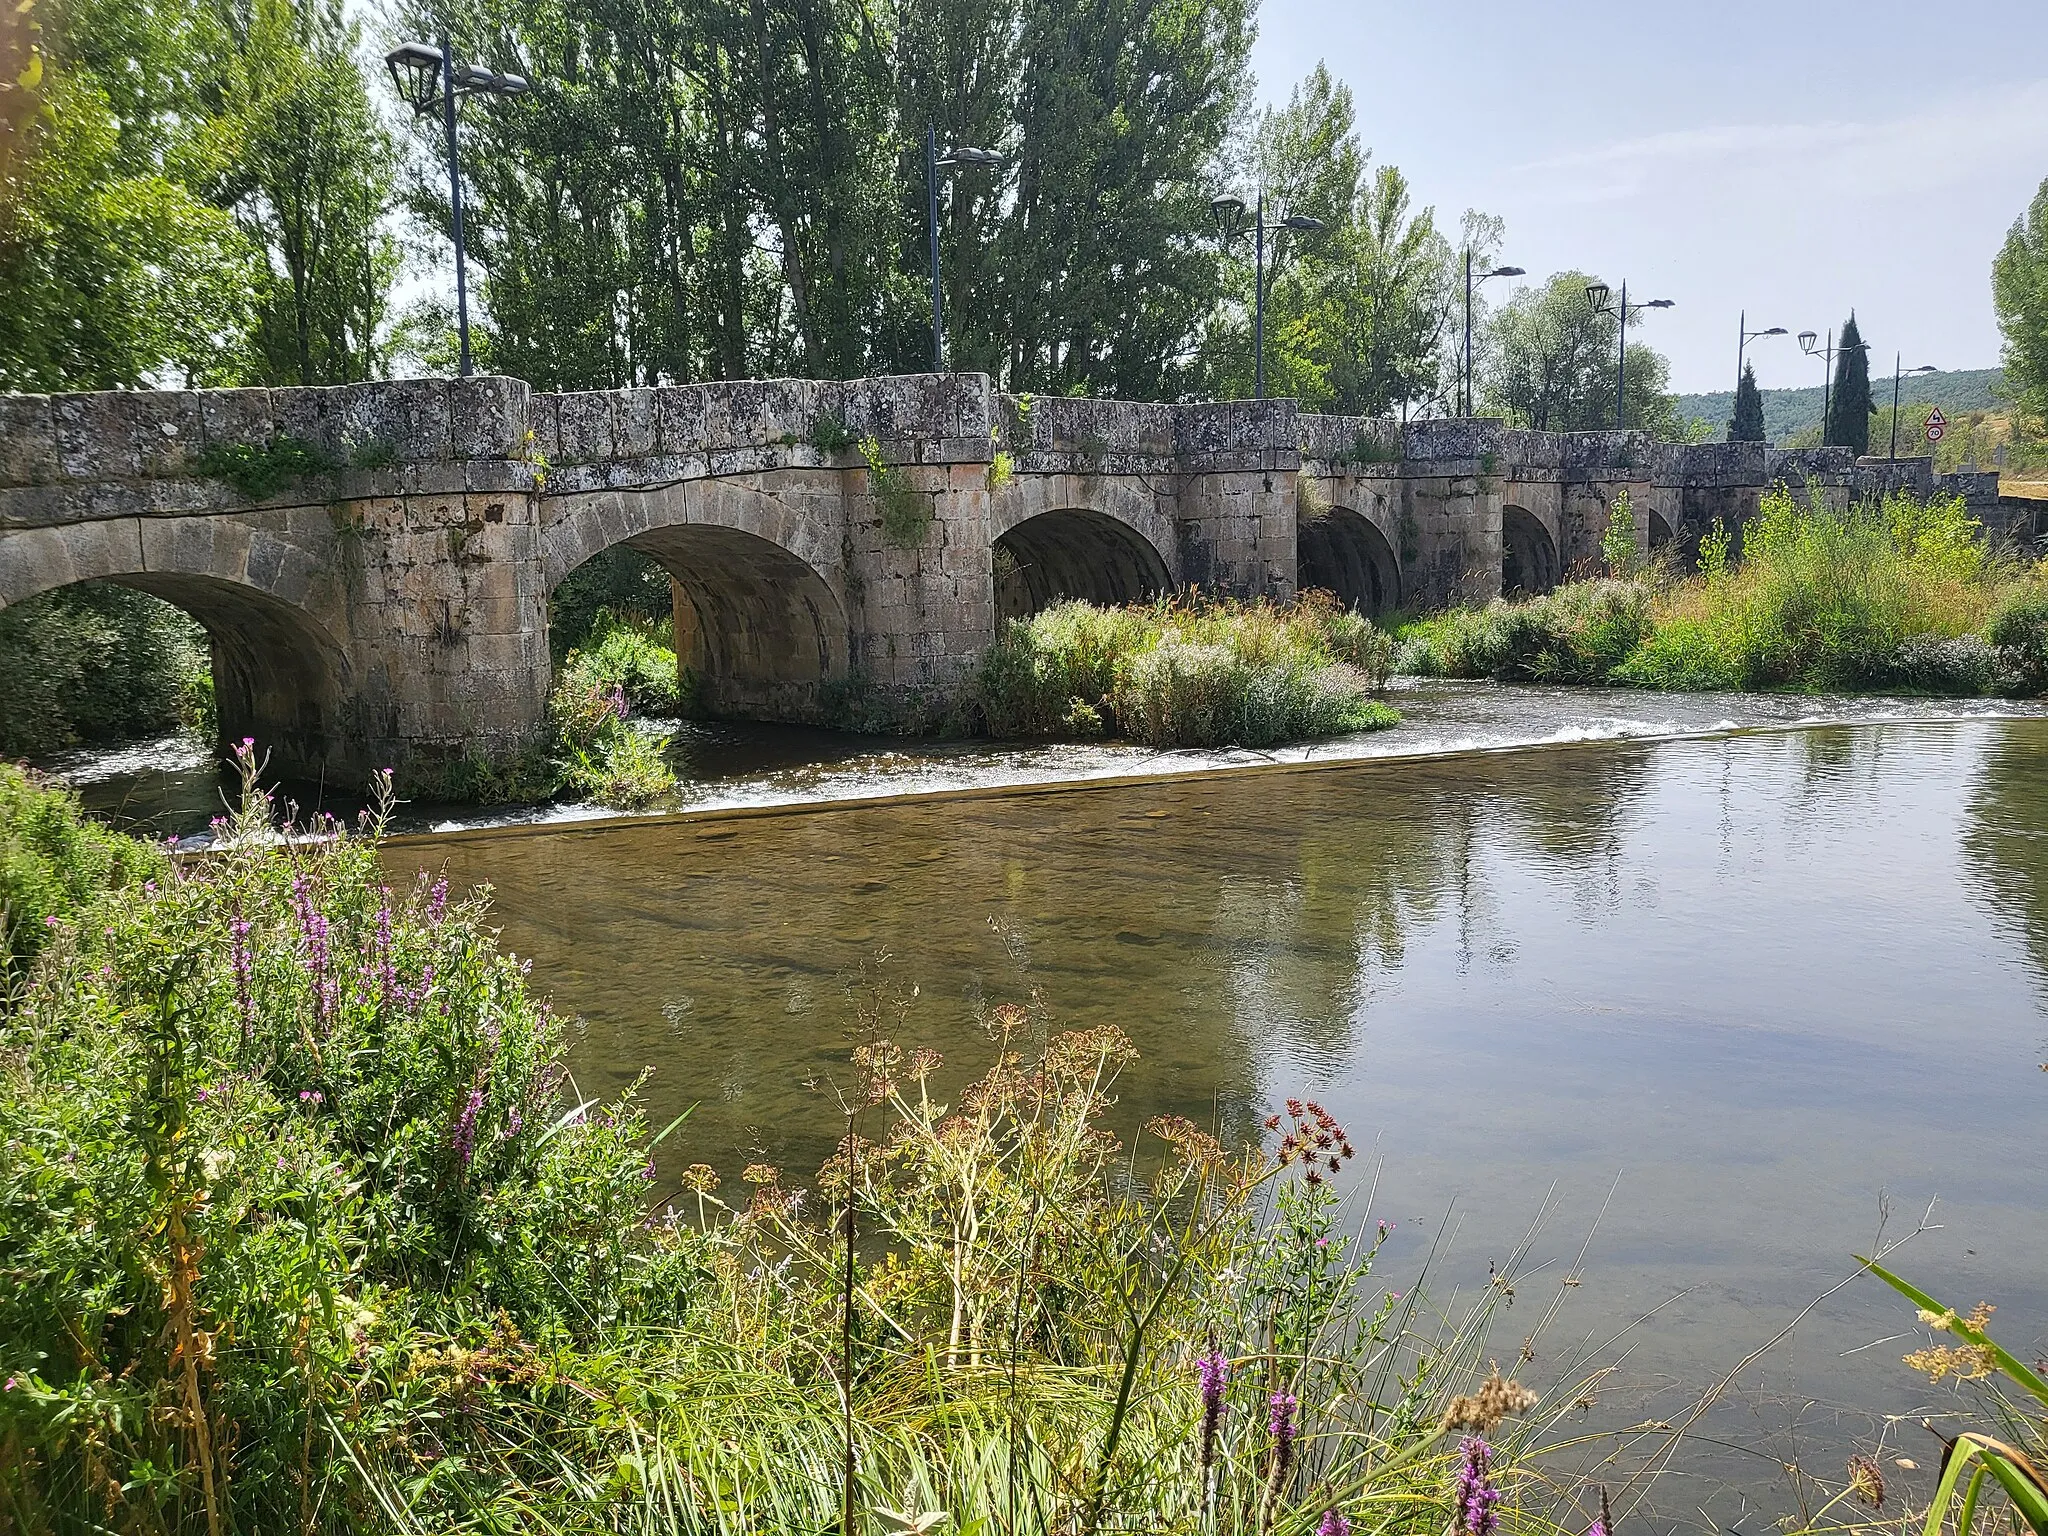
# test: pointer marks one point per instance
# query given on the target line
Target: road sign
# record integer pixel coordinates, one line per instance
(1937, 425)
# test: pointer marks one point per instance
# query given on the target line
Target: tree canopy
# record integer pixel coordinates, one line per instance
(2019, 292)
(1849, 400)
(1747, 424)
(225, 192)
(1551, 364)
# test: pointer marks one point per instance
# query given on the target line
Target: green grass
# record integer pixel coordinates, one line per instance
(1181, 673)
(1892, 596)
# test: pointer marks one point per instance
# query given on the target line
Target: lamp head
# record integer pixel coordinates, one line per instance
(1807, 339)
(967, 155)
(1924, 368)
(1776, 330)
(1596, 295)
(1503, 272)
(1657, 303)
(1229, 213)
(1301, 221)
(416, 71)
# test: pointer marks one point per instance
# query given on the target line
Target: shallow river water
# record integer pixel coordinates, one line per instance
(1713, 1001)
(1706, 1001)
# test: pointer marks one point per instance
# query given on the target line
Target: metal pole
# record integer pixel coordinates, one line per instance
(1621, 363)
(1741, 343)
(1468, 331)
(1259, 306)
(1898, 359)
(455, 203)
(931, 205)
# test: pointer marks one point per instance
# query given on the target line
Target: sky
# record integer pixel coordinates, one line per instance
(1795, 159)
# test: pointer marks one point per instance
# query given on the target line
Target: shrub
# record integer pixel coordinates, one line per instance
(1187, 673)
(2018, 632)
(633, 655)
(906, 513)
(1577, 634)
(53, 862)
(624, 768)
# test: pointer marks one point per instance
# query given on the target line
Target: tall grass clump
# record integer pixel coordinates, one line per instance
(1892, 594)
(306, 1228)
(1187, 672)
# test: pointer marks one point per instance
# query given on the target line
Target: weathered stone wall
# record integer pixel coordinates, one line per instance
(373, 562)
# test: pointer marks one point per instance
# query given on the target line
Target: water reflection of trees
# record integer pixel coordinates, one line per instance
(1216, 922)
(2006, 838)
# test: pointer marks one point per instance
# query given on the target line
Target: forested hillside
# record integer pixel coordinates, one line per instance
(1790, 412)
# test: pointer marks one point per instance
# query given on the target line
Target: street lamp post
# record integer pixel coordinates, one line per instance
(1496, 272)
(1229, 211)
(1827, 356)
(428, 77)
(934, 162)
(1747, 335)
(1898, 357)
(1596, 295)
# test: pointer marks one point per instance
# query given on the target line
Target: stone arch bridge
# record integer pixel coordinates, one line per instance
(372, 562)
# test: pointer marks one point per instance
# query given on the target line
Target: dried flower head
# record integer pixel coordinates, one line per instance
(1480, 1412)
(1866, 1481)
(1315, 1139)
(700, 1178)
(1195, 1147)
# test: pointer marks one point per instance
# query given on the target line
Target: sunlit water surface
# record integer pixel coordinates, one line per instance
(1714, 1002)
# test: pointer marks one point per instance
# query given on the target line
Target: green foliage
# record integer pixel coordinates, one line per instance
(2019, 292)
(604, 755)
(1578, 634)
(1895, 595)
(906, 513)
(2018, 632)
(1747, 423)
(633, 655)
(1551, 359)
(1790, 413)
(1849, 401)
(1618, 542)
(260, 471)
(98, 662)
(829, 434)
(619, 582)
(54, 864)
(299, 1185)
(1186, 673)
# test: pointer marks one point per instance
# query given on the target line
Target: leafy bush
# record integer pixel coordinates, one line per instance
(2018, 632)
(98, 662)
(633, 655)
(53, 862)
(1577, 634)
(301, 1207)
(619, 584)
(906, 513)
(1187, 673)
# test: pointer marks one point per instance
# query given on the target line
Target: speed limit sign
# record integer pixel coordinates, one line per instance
(1937, 425)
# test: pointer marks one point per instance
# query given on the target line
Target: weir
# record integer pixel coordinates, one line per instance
(372, 562)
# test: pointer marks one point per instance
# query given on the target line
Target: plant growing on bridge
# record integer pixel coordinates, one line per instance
(906, 513)
(262, 470)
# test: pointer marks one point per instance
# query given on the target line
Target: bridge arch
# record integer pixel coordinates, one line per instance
(758, 620)
(1074, 552)
(280, 675)
(1528, 554)
(1344, 553)
(1660, 530)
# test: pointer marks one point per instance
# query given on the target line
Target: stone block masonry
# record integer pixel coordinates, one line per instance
(373, 562)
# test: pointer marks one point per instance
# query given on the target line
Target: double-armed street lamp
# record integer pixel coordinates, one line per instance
(1597, 295)
(1482, 277)
(1827, 356)
(430, 78)
(1898, 357)
(1229, 213)
(963, 158)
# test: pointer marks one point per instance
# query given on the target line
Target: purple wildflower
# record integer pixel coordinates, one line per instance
(245, 976)
(313, 928)
(1333, 1524)
(437, 901)
(513, 1124)
(1214, 1372)
(49, 922)
(387, 973)
(647, 1173)
(1282, 1424)
(1476, 1494)
(464, 1140)
(1284, 1429)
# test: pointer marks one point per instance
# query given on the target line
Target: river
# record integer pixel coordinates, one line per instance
(1704, 1001)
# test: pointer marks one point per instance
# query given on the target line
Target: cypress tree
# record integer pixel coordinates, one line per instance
(1849, 408)
(1748, 424)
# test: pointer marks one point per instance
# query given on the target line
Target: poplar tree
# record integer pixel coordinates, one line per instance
(2019, 292)
(1849, 402)
(1747, 426)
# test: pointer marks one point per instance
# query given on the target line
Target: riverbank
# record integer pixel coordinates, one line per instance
(302, 1197)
